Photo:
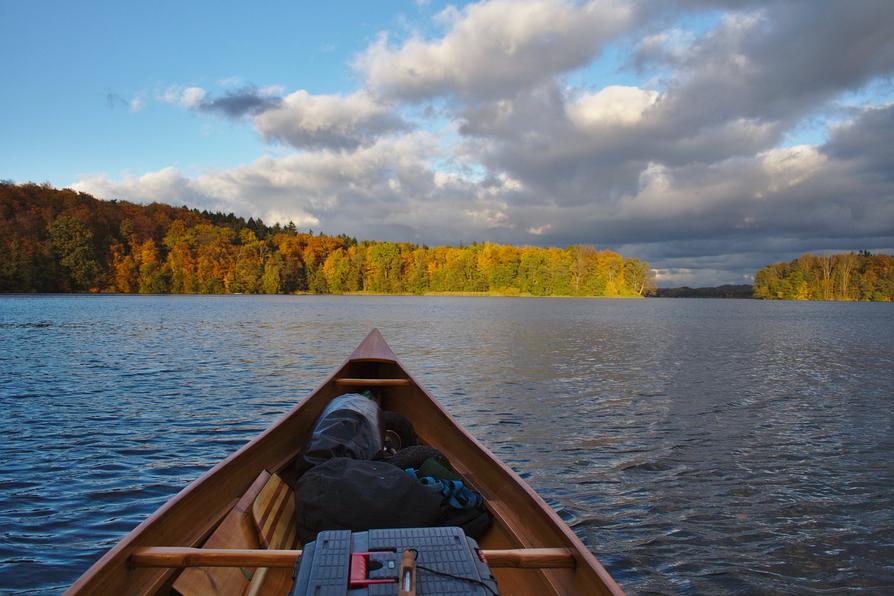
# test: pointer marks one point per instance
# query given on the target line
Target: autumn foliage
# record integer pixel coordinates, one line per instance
(844, 276)
(61, 240)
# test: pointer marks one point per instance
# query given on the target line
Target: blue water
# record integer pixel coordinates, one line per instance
(696, 446)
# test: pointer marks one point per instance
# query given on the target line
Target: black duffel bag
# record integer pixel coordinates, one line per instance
(357, 495)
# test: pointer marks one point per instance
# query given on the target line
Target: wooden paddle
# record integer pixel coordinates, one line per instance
(175, 556)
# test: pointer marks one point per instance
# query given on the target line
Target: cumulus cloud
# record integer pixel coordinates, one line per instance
(779, 62)
(164, 186)
(386, 190)
(493, 49)
(592, 147)
(612, 105)
(730, 216)
(305, 120)
(866, 139)
(733, 92)
(192, 97)
(300, 119)
(188, 97)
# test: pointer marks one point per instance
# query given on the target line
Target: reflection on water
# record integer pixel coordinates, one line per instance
(695, 446)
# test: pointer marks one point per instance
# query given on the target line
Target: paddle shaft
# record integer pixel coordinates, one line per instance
(174, 556)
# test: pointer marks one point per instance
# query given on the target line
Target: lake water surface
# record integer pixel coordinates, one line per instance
(696, 446)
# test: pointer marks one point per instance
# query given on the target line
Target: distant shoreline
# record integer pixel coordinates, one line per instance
(424, 295)
(726, 291)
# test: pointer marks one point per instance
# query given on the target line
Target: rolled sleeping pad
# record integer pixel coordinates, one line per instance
(351, 426)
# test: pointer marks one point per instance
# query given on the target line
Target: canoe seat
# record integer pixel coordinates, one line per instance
(273, 512)
(262, 518)
(237, 530)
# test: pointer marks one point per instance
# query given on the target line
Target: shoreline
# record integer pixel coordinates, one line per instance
(423, 295)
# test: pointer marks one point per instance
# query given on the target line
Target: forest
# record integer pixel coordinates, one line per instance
(59, 240)
(844, 276)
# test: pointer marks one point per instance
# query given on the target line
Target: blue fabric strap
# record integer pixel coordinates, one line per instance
(455, 493)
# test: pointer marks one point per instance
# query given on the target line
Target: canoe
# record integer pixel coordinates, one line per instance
(522, 520)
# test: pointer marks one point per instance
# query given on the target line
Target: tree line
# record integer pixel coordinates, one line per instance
(844, 276)
(59, 240)
(744, 291)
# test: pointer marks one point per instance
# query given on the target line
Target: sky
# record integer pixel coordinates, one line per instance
(707, 137)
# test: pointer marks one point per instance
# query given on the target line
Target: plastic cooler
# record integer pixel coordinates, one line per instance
(341, 562)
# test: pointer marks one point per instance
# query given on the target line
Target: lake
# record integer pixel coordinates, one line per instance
(696, 446)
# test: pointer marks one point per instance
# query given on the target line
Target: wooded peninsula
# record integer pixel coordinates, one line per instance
(59, 240)
(844, 276)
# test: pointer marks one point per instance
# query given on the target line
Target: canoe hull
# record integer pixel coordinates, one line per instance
(521, 518)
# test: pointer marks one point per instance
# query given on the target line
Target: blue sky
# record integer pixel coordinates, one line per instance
(707, 139)
(61, 60)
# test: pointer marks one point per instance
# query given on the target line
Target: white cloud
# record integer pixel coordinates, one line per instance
(305, 120)
(165, 186)
(495, 48)
(190, 97)
(614, 104)
(790, 166)
(297, 217)
(674, 276)
(489, 217)
(384, 190)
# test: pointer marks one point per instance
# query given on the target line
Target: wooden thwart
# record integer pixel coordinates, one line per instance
(347, 382)
(175, 556)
